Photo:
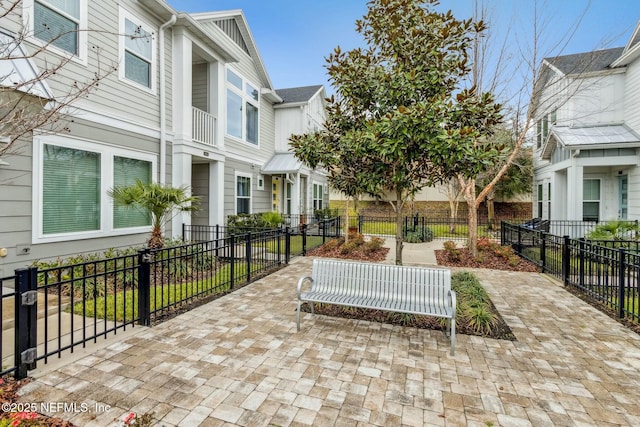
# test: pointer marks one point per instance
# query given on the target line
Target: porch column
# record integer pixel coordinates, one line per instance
(182, 83)
(217, 82)
(216, 193)
(295, 196)
(575, 176)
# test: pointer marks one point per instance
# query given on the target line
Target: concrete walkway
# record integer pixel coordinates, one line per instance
(239, 361)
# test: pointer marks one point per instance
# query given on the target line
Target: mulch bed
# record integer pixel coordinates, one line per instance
(486, 260)
(357, 255)
(9, 395)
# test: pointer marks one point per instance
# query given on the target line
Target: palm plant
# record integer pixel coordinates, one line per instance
(158, 200)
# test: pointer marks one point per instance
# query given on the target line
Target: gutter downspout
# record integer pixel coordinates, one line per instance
(163, 106)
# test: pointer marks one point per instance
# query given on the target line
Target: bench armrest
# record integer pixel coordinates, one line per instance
(453, 301)
(300, 282)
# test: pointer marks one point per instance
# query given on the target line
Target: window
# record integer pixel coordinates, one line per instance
(243, 101)
(591, 200)
(137, 55)
(70, 191)
(71, 181)
(126, 172)
(317, 196)
(243, 194)
(543, 127)
(540, 199)
(288, 197)
(137, 51)
(57, 22)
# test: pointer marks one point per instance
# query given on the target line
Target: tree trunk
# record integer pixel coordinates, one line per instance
(453, 214)
(473, 229)
(491, 215)
(469, 188)
(399, 237)
(346, 220)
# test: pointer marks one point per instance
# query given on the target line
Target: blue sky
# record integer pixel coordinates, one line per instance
(294, 36)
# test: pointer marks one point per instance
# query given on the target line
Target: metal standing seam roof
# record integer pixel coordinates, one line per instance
(595, 135)
(18, 71)
(591, 137)
(282, 163)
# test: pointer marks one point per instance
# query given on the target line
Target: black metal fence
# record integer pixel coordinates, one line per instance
(304, 237)
(63, 307)
(427, 228)
(605, 271)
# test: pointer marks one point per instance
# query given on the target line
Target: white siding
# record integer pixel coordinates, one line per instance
(632, 91)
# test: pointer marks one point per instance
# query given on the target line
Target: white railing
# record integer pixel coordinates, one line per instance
(204, 127)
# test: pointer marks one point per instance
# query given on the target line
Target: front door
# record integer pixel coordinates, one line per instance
(623, 190)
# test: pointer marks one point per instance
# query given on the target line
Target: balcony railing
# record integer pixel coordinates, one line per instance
(204, 127)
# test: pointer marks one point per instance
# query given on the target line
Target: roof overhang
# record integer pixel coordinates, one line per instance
(19, 72)
(590, 138)
(282, 163)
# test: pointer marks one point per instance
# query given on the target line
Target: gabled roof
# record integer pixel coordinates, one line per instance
(631, 50)
(296, 95)
(247, 37)
(591, 137)
(588, 62)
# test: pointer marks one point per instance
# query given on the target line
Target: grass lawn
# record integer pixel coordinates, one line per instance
(440, 230)
(296, 244)
(123, 305)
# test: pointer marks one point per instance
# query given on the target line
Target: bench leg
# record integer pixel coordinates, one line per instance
(298, 316)
(453, 336)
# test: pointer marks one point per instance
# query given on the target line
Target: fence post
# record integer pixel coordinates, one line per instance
(621, 271)
(287, 245)
(304, 239)
(324, 223)
(422, 234)
(232, 252)
(566, 260)
(279, 245)
(217, 239)
(26, 322)
(247, 255)
(519, 244)
(144, 287)
(184, 232)
(339, 227)
(502, 239)
(581, 264)
(359, 224)
(543, 251)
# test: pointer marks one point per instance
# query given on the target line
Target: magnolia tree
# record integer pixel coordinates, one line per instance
(402, 118)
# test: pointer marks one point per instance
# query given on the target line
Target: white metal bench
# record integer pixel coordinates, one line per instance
(402, 289)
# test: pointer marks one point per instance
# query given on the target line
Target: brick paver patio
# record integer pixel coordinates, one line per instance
(239, 361)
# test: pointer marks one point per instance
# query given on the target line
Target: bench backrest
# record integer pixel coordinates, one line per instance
(394, 283)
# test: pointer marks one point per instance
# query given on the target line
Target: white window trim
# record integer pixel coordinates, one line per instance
(235, 191)
(320, 187)
(107, 153)
(260, 178)
(83, 30)
(124, 14)
(243, 94)
(600, 202)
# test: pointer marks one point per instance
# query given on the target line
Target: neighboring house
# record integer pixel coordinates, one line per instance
(191, 103)
(586, 164)
(295, 188)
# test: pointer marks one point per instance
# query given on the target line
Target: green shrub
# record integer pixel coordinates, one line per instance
(417, 234)
(373, 245)
(615, 230)
(474, 305)
(452, 251)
